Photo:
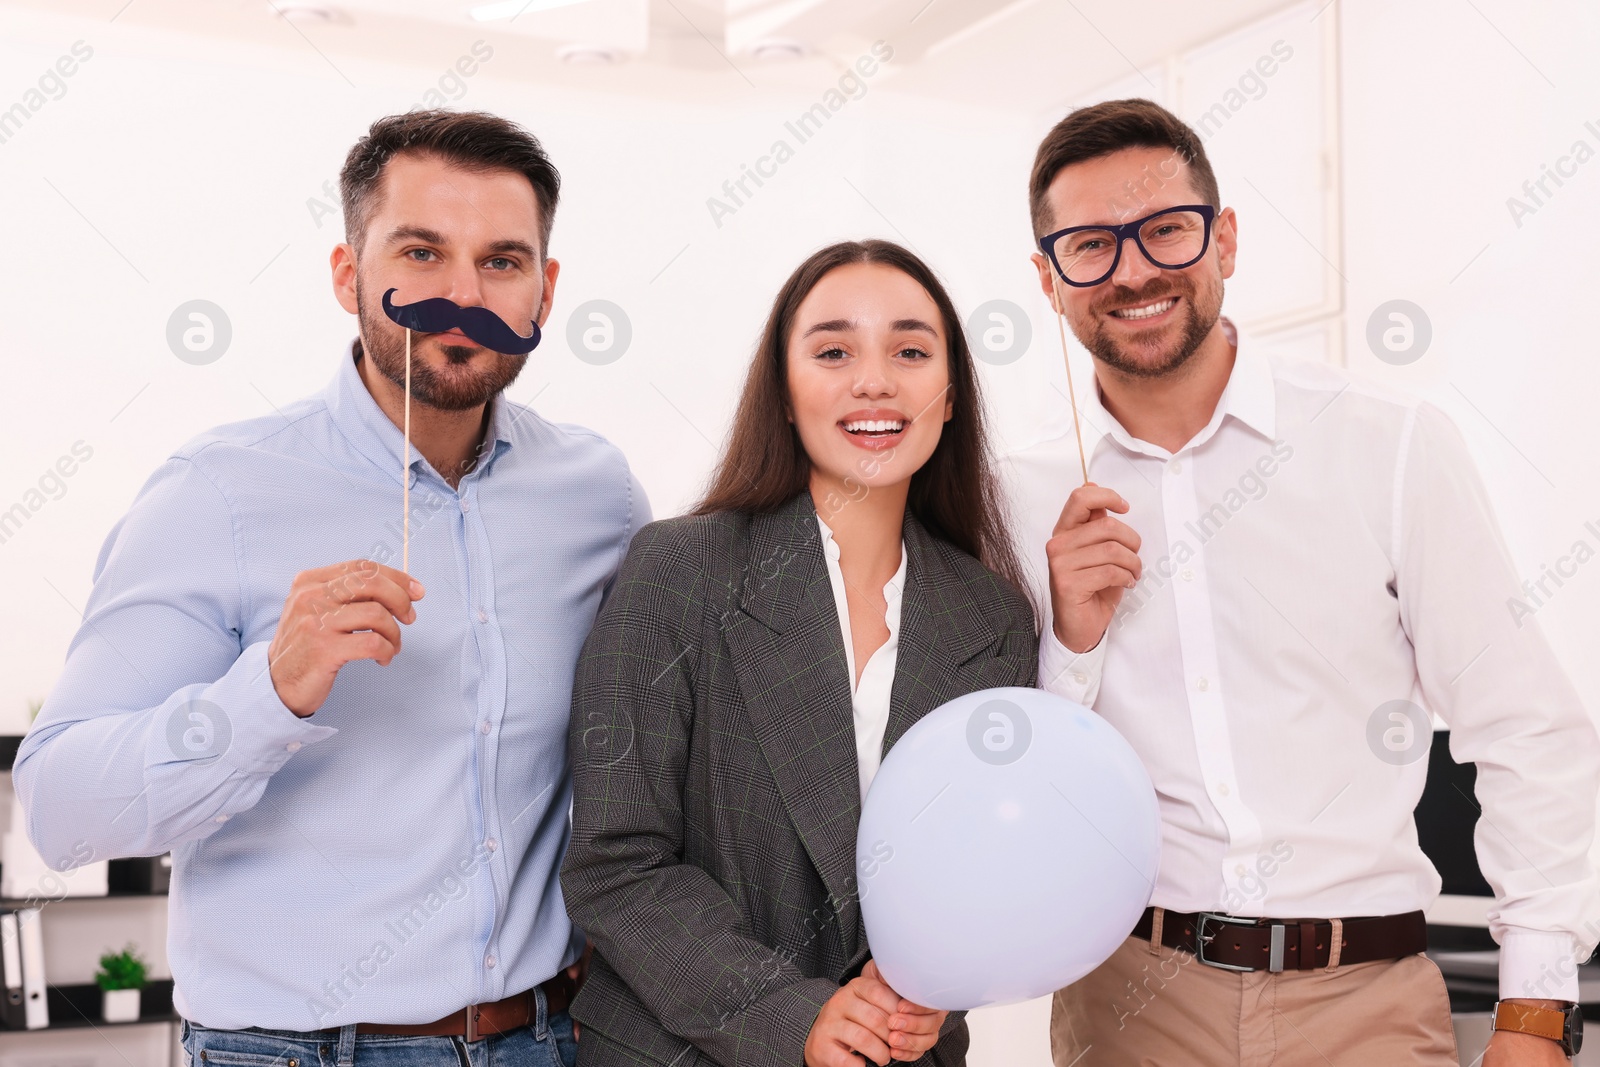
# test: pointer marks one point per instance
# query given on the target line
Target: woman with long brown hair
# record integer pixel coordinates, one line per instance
(847, 572)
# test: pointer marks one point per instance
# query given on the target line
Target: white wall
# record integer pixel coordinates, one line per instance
(1446, 114)
(191, 163)
(195, 160)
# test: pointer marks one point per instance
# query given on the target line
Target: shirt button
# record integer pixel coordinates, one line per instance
(491, 844)
(466, 505)
(1222, 789)
(1176, 466)
(484, 727)
(489, 961)
(1080, 678)
(221, 818)
(1203, 684)
(1239, 869)
(293, 746)
(483, 616)
(1187, 574)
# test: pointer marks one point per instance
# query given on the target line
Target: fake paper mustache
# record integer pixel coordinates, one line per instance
(437, 314)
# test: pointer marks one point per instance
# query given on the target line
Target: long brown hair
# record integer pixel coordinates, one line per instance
(955, 494)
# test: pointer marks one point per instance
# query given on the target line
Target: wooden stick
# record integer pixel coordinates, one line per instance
(405, 472)
(1072, 393)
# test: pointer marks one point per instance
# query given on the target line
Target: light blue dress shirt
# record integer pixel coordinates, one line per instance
(394, 856)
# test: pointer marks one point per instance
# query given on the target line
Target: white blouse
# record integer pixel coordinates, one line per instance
(869, 699)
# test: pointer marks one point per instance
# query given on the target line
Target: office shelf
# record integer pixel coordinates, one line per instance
(75, 1007)
(51, 901)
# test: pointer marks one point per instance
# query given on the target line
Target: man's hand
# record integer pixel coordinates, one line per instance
(580, 970)
(1510, 1049)
(855, 1020)
(913, 1029)
(333, 615)
(1094, 558)
(1507, 1049)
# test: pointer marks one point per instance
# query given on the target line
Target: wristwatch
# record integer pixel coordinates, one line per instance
(1561, 1025)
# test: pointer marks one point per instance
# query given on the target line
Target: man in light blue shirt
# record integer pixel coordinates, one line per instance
(361, 773)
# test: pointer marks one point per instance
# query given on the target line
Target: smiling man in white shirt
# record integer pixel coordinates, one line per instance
(1272, 571)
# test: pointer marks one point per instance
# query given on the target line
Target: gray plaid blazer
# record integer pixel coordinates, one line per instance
(715, 789)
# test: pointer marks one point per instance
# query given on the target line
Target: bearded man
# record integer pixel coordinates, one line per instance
(1275, 573)
(366, 837)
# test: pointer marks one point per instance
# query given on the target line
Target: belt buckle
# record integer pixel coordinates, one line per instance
(1275, 951)
(472, 1033)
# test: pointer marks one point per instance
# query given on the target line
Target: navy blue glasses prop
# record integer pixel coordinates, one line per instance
(1172, 238)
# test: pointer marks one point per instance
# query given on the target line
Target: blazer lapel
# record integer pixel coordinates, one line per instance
(788, 654)
(941, 629)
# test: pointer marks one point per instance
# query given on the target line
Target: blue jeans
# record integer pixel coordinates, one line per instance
(545, 1042)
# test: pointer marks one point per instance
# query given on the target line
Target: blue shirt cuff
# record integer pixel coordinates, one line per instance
(263, 732)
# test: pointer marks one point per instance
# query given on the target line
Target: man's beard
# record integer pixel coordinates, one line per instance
(1198, 311)
(461, 389)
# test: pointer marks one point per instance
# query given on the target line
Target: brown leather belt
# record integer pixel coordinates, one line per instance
(485, 1020)
(1235, 943)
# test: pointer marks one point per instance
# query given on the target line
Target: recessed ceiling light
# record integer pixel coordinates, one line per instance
(588, 55)
(300, 12)
(776, 50)
(510, 9)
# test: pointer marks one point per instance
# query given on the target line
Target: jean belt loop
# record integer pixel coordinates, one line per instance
(541, 1014)
(347, 1045)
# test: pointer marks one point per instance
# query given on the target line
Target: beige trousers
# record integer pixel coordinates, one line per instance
(1152, 1005)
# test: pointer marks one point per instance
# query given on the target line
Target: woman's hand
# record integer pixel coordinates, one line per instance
(854, 1020)
(867, 1018)
(913, 1029)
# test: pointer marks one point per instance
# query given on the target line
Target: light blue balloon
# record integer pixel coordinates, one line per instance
(1007, 846)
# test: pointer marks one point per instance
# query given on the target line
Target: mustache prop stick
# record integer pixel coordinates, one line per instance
(437, 314)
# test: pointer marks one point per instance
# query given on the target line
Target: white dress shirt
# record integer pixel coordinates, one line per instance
(869, 698)
(1321, 549)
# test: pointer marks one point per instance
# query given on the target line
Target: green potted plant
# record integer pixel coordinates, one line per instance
(121, 976)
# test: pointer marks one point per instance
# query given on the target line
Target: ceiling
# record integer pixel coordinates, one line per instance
(1032, 54)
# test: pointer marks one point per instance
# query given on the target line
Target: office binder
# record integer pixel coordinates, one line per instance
(36, 1011)
(12, 1013)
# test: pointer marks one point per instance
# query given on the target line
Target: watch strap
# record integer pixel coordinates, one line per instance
(1531, 1019)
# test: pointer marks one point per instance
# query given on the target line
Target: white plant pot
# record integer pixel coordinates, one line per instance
(119, 1005)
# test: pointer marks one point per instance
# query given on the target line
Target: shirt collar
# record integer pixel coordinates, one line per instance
(830, 551)
(364, 425)
(1250, 397)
